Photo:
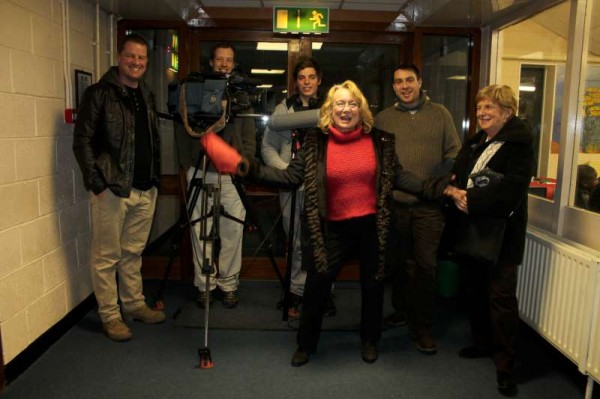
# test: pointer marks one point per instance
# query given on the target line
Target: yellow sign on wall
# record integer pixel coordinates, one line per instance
(300, 20)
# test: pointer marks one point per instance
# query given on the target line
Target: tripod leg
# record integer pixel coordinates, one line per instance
(252, 220)
(285, 306)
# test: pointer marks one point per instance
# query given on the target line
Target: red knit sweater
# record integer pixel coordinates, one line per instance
(351, 169)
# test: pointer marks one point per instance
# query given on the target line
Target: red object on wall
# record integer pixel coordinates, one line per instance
(543, 186)
(70, 115)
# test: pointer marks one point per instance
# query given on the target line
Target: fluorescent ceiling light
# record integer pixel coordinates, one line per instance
(529, 88)
(267, 71)
(457, 77)
(277, 46)
(266, 86)
(271, 46)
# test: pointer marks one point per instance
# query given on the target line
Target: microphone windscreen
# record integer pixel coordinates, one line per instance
(225, 158)
(294, 120)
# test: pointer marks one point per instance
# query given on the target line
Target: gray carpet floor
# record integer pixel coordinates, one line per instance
(262, 298)
(161, 361)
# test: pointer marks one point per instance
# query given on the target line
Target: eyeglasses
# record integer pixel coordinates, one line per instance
(342, 104)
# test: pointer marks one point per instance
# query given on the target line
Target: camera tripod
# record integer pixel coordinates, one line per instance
(199, 190)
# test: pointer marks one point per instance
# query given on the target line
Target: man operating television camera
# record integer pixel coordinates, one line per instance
(240, 133)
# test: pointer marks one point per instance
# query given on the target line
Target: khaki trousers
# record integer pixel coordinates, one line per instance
(231, 235)
(120, 230)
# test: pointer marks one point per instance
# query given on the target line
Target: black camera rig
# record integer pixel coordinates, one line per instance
(201, 100)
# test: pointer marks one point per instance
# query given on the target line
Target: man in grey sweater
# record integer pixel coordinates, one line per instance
(426, 140)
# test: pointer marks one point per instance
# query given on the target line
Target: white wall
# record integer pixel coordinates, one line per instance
(44, 209)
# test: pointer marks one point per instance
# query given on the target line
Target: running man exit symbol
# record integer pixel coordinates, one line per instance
(300, 20)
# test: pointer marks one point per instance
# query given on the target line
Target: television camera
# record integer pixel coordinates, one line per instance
(211, 98)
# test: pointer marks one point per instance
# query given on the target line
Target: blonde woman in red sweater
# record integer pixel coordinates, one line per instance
(349, 170)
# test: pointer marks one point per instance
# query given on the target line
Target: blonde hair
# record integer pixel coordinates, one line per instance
(501, 94)
(366, 117)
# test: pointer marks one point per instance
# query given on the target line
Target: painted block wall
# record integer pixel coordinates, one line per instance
(44, 209)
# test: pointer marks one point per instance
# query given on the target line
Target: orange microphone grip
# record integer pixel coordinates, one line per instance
(225, 158)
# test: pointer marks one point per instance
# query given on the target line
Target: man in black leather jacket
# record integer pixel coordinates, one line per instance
(116, 144)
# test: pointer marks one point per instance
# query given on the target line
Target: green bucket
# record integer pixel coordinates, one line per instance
(447, 278)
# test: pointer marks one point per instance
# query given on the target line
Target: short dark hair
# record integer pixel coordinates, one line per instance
(219, 45)
(409, 67)
(307, 62)
(135, 38)
(586, 174)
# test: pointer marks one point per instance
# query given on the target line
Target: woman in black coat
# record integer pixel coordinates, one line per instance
(504, 146)
(349, 170)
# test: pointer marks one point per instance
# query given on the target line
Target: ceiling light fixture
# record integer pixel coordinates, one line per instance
(258, 71)
(271, 46)
(528, 88)
(278, 46)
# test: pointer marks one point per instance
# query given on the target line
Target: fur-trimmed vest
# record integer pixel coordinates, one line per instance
(314, 253)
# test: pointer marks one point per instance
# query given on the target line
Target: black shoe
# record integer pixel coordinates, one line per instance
(330, 309)
(202, 298)
(507, 384)
(230, 299)
(369, 352)
(395, 319)
(300, 358)
(473, 352)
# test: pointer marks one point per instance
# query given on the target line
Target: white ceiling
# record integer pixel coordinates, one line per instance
(407, 13)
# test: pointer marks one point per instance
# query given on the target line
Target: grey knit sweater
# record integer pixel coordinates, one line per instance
(424, 139)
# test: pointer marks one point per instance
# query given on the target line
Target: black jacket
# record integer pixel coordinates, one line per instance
(104, 136)
(309, 168)
(515, 161)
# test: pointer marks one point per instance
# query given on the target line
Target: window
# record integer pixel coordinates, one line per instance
(370, 66)
(445, 75)
(585, 191)
(534, 68)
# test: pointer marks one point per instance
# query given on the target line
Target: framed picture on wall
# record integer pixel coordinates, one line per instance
(83, 80)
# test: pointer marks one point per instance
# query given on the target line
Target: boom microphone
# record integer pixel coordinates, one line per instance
(294, 120)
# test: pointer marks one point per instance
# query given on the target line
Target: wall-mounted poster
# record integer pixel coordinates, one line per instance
(83, 80)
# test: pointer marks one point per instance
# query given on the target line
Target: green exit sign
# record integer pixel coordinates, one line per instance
(300, 20)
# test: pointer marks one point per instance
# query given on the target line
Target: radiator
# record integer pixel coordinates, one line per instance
(558, 297)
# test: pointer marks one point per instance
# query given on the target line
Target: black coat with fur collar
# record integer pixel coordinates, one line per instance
(515, 161)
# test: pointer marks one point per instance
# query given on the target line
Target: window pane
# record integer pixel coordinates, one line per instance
(371, 67)
(445, 71)
(534, 68)
(586, 191)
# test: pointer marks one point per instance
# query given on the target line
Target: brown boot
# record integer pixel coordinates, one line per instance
(147, 315)
(117, 330)
(425, 343)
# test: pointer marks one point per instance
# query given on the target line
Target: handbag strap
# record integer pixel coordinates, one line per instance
(483, 159)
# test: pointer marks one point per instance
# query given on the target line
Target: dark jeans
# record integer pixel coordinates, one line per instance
(412, 253)
(494, 310)
(343, 238)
